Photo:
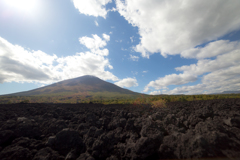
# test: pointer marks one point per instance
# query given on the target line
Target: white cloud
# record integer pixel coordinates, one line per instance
(96, 43)
(93, 43)
(83, 64)
(173, 26)
(196, 89)
(113, 10)
(20, 65)
(134, 73)
(16, 63)
(106, 37)
(173, 79)
(145, 71)
(217, 75)
(96, 23)
(120, 41)
(123, 49)
(211, 50)
(134, 58)
(207, 65)
(155, 93)
(212, 83)
(92, 7)
(147, 89)
(131, 38)
(127, 82)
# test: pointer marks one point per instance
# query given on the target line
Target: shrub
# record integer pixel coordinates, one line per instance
(9, 102)
(159, 103)
(25, 101)
(137, 102)
(182, 99)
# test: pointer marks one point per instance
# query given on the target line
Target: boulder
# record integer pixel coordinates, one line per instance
(15, 153)
(27, 128)
(6, 137)
(66, 140)
(47, 154)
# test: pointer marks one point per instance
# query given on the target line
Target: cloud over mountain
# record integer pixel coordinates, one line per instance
(21, 65)
(127, 82)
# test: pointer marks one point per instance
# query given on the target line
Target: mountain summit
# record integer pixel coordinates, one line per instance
(85, 84)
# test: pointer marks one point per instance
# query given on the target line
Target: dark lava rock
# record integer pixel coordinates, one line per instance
(66, 140)
(16, 153)
(27, 128)
(6, 137)
(182, 130)
(47, 154)
(85, 156)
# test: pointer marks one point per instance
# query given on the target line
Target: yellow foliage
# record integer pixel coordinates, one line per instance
(159, 103)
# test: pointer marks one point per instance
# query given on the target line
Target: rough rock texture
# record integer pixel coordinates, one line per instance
(183, 130)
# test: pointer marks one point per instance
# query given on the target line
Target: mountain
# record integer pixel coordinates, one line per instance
(85, 84)
(228, 92)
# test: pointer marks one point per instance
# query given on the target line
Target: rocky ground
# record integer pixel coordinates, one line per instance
(199, 129)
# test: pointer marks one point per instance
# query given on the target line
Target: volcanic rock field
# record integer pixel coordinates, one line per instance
(182, 130)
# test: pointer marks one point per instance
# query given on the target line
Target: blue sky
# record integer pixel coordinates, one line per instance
(148, 46)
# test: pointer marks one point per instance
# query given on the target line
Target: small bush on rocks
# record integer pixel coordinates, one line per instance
(159, 103)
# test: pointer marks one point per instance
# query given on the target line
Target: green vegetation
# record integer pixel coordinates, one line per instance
(112, 98)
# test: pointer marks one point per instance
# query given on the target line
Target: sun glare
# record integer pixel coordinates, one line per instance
(27, 6)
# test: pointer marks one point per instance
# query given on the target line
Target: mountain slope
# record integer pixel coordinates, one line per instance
(85, 84)
(228, 92)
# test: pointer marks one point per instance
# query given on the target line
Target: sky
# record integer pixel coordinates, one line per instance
(147, 46)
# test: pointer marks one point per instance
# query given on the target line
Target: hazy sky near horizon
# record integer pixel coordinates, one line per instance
(148, 46)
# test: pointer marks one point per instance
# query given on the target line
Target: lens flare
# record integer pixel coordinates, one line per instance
(27, 6)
